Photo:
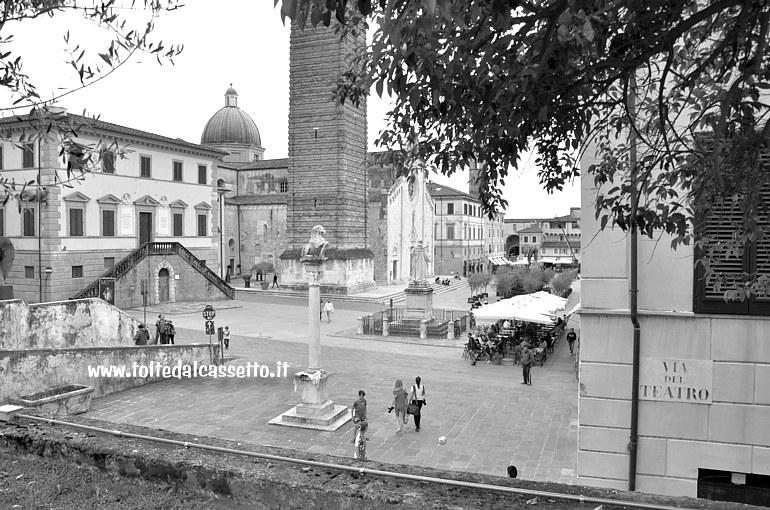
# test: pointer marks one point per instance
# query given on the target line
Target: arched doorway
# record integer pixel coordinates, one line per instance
(163, 287)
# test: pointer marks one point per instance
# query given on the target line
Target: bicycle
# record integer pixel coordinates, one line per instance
(359, 443)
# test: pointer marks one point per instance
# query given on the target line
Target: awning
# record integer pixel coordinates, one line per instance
(574, 309)
(539, 307)
(505, 309)
(500, 261)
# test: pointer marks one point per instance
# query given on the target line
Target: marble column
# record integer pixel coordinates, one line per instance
(313, 273)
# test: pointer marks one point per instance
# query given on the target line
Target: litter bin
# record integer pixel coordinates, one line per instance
(247, 281)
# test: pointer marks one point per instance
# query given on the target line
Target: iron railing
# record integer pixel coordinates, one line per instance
(147, 249)
(401, 326)
(373, 323)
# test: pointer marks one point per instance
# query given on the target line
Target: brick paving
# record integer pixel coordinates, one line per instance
(489, 419)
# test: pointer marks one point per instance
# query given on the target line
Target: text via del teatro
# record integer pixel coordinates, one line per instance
(674, 393)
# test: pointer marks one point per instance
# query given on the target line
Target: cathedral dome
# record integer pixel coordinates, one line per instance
(231, 124)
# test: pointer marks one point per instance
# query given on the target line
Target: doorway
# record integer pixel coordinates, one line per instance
(163, 294)
(395, 267)
(145, 228)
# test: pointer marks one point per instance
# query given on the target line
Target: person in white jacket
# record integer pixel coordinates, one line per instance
(329, 309)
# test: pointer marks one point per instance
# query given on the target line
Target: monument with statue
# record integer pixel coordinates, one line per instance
(315, 410)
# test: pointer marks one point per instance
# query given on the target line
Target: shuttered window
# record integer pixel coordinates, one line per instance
(722, 223)
(76, 222)
(178, 223)
(28, 155)
(108, 223)
(202, 221)
(28, 222)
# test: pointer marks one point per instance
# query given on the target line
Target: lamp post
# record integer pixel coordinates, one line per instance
(221, 190)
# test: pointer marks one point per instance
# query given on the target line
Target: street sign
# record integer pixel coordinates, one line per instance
(209, 327)
(209, 313)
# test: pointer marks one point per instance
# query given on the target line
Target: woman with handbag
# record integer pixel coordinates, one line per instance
(399, 404)
(417, 400)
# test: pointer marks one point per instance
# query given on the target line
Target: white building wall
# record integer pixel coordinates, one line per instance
(675, 438)
(402, 210)
(161, 187)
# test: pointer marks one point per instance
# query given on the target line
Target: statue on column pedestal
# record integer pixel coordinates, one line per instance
(419, 259)
(315, 248)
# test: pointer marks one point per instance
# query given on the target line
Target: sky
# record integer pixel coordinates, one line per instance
(238, 42)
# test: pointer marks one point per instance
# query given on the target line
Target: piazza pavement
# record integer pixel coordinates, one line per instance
(490, 420)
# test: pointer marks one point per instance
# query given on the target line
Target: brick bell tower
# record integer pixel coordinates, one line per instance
(327, 164)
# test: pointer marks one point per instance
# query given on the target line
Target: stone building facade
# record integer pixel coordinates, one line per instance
(410, 213)
(704, 365)
(459, 231)
(137, 187)
(552, 241)
(327, 143)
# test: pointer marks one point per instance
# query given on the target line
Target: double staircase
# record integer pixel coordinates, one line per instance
(147, 249)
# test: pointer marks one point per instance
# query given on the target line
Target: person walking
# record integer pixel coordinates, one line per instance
(358, 412)
(417, 396)
(399, 404)
(527, 360)
(275, 280)
(160, 330)
(170, 332)
(226, 337)
(329, 309)
(571, 337)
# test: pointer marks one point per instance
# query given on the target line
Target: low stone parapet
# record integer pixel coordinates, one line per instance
(30, 371)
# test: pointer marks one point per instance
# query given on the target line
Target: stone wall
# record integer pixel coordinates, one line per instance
(345, 272)
(262, 233)
(185, 283)
(675, 438)
(32, 370)
(64, 324)
(378, 235)
(327, 142)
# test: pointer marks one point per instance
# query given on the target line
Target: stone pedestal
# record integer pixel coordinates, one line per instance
(6, 292)
(419, 301)
(315, 411)
(345, 271)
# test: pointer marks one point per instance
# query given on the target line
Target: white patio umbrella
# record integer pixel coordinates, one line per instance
(543, 302)
(508, 309)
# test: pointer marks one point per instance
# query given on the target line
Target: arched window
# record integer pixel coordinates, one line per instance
(264, 229)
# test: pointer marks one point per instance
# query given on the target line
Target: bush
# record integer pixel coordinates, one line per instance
(505, 283)
(560, 285)
(477, 281)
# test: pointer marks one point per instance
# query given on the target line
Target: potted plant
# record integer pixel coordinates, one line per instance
(263, 268)
(476, 281)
